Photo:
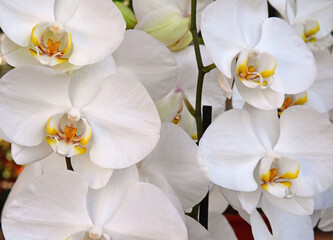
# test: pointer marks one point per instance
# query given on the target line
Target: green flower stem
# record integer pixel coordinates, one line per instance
(69, 164)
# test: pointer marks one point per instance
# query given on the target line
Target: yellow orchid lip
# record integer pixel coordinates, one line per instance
(292, 100)
(67, 137)
(50, 43)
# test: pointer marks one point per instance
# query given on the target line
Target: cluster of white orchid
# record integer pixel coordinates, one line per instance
(106, 120)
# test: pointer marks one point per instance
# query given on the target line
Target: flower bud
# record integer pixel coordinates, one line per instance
(128, 15)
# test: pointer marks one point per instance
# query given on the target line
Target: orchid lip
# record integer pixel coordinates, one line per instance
(67, 135)
(51, 44)
(255, 69)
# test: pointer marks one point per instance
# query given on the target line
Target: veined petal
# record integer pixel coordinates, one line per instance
(157, 70)
(143, 7)
(29, 96)
(145, 218)
(53, 205)
(309, 144)
(249, 200)
(259, 227)
(118, 121)
(235, 153)
(229, 27)
(25, 15)
(98, 35)
(65, 10)
(295, 70)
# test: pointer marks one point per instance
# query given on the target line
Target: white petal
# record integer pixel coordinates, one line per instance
(103, 203)
(296, 205)
(16, 55)
(87, 82)
(307, 136)
(65, 10)
(219, 226)
(18, 18)
(319, 10)
(143, 7)
(324, 200)
(231, 26)
(265, 99)
(124, 118)
(169, 106)
(29, 96)
(217, 203)
(232, 151)
(287, 226)
(326, 222)
(259, 227)
(97, 31)
(295, 70)
(53, 206)
(24, 155)
(249, 200)
(178, 159)
(265, 125)
(152, 217)
(196, 231)
(96, 176)
(149, 61)
(316, 101)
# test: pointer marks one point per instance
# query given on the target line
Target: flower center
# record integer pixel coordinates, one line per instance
(50, 43)
(307, 30)
(255, 69)
(292, 100)
(67, 136)
(277, 175)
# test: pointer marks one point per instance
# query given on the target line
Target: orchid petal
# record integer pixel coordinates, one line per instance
(265, 125)
(16, 55)
(217, 203)
(175, 152)
(65, 10)
(259, 227)
(25, 15)
(29, 96)
(87, 82)
(118, 121)
(157, 70)
(306, 136)
(152, 217)
(219, 226)
(249, 200)
(96, 176)
(53, 206)
(296, 205)
(196, 231)
(326, 221)
(265, 99)
(24, 155)
(287, 226)
(235, 153)
(319, 10)
(228, 27)
(103, 203)
(98, 35)
(324, 200)
(169, 106)
(143, 7)
(295, 70)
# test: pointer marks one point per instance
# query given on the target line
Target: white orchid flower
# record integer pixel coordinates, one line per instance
(177, 167)
(112, 115)
(62, 34)
(264, 55)
(286, 160)
(172, 108)
(168, 20)
(60, 205)
(312, 20)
